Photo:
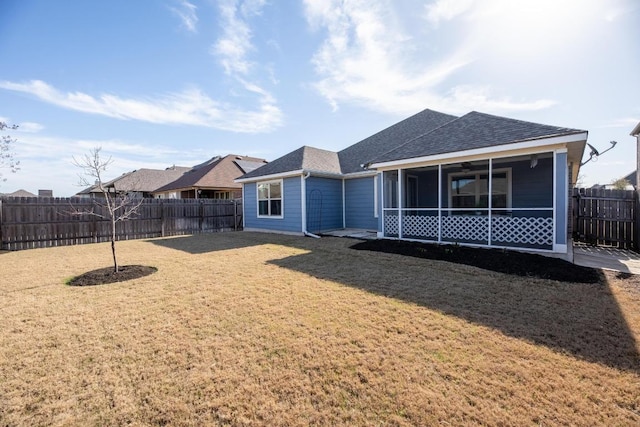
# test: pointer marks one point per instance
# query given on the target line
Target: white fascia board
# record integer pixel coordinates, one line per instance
(322, 174)
(270, 177)
(536, 145)
(363, 174)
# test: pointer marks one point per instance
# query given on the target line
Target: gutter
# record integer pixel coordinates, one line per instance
(306, 175)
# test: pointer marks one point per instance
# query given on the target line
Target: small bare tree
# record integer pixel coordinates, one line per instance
(620, 184)
(114, 205)
(7, 160)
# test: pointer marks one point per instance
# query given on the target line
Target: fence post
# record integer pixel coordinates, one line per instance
(201, 215)
(161, 218)
(636, 220)
(235, 215)
(1, 239)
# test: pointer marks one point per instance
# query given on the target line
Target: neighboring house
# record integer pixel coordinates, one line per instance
(636, 133)
(141, 182)
(213, 179)
(19, 193)
(477, 180)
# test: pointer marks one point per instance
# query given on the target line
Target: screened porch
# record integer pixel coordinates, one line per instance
(510, 202)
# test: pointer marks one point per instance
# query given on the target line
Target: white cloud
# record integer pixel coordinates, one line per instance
(446, 10)
(369, 58)
(189, 107)
(623, 122)
(44, 167)
(234, 46)
(187, 13)
(30, 127)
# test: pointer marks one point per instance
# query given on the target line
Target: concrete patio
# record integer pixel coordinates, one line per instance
(606, 257)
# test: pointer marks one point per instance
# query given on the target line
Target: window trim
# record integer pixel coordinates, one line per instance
(477, 174)
(273, 181)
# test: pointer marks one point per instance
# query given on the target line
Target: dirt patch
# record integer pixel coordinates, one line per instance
(104, 276)
(503, 261)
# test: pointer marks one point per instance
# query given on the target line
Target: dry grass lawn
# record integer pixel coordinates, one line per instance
(259, 329)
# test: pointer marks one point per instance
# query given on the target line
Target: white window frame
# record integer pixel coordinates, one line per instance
(275, 181)
(477, 174)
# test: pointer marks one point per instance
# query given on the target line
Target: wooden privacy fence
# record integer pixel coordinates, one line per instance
(38, 222)
(605, 217)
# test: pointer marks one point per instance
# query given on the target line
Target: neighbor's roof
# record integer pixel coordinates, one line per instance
(215, 173)
(631, 178)
(472, 131)
(145, 180)
(636, 130)
(19, 193)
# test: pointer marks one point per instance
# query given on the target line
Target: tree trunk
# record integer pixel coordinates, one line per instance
(113, 245)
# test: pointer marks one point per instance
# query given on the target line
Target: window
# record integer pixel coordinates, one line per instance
(471, 190)
(223, 195)
(270, 199)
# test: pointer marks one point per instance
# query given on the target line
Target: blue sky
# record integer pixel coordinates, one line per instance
(163, 82)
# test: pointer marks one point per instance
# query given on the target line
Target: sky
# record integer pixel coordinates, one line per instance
(157, 83)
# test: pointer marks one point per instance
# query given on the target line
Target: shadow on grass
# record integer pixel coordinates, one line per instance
(212, 242)
(580, 319)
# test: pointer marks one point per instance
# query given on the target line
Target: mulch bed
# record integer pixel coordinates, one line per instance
(503, 261)
(106, 275)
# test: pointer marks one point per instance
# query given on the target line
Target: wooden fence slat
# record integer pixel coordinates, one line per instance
(37, 222)
(606, 217)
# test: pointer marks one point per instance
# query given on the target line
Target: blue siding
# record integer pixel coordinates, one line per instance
(324, 204)
(292, 220)
(562, 189)
(359, 203)
(532, 187)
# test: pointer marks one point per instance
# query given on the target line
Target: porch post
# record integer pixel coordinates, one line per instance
(399, 203)
(489, 197)
(439, 202)
(560, 200)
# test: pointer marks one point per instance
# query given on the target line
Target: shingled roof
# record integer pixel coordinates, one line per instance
(218, 172)
(390, 138)
(424, 134)
(304, 158)
(471, 131)
(142, 180)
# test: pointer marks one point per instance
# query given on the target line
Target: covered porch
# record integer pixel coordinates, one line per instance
(518, 201)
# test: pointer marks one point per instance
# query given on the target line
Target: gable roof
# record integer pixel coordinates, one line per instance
(424, 134)
(631, 178)
(19, 193)
(143, 180)
(218, 172)
(471, 131)
(304, 158)
(351, 158)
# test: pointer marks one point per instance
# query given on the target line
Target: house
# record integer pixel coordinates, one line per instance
(213, 179)
(478, 179)
(636, 133)
(632, 177)
(19, 193)
(141, 182)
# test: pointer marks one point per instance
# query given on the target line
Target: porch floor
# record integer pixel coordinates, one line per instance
(606, 257)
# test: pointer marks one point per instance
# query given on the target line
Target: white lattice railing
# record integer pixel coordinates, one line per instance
(527, 230)
(473, 228)
(505, 230)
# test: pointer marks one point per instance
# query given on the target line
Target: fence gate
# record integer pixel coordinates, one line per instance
(605, 217)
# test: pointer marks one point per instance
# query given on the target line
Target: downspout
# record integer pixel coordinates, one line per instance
(304, 216)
